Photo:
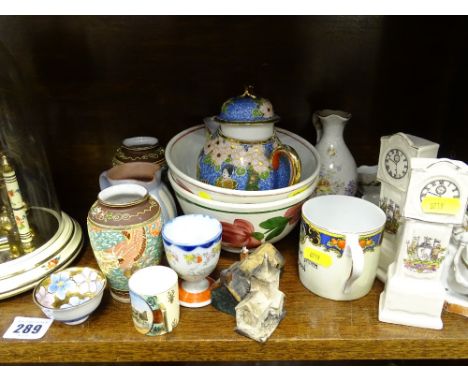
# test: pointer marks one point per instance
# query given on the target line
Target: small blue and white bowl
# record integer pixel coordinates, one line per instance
(192, 244)
(70, 295)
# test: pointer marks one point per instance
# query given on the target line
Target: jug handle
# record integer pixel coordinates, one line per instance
(318, 126)
(103, 181)
(294, 162)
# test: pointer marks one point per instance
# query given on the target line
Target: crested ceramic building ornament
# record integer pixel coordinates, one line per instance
(260, 312)
(245, 153)
(249, 289)
(396, 152)
(436, 200)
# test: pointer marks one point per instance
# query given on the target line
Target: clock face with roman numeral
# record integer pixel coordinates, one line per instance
(396, 163)
(441, 188)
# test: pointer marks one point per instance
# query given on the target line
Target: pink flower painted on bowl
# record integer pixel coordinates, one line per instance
(240, 234)
(46, 299)
(294, 213)
(88, 281)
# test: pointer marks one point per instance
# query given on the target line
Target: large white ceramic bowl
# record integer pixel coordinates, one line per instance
(246, 224)
(182, 154)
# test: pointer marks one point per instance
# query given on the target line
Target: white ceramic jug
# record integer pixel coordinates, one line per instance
(147, 175)
(338, 172)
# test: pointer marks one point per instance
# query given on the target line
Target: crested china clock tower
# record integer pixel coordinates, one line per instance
(436, 201)
(396, 152)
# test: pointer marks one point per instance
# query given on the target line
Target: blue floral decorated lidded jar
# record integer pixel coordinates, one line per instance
(247, 108)
(245, 153)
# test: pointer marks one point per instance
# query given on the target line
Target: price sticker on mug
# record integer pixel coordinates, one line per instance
(440, 205)
(317, 256)
(28, 328)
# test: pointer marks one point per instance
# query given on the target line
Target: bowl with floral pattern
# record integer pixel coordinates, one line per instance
(70, 295)
(245, 225)
(183, 149)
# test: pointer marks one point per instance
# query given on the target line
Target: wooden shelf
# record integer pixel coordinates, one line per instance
(314, 329)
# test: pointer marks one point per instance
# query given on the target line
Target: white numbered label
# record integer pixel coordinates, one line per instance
(28, 328)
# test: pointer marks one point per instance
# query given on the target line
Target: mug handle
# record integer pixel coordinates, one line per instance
(294, 162)
(353, 250)
(164, 314)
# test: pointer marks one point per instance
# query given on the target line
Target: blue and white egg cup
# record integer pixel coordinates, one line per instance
(192, 244)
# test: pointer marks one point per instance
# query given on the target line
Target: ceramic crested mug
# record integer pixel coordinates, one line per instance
(154, 296)
(339, 246)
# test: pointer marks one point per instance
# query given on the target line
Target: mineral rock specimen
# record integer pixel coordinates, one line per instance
(253, 283)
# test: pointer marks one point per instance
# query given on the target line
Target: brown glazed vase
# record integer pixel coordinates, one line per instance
(140, 149)
(124, 227)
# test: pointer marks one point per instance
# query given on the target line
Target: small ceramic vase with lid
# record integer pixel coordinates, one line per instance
(338, 171)
(147, 175)
(140, 149)
(245, 153)
(124, 227)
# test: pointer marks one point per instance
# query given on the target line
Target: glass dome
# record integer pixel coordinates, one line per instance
(36, 238)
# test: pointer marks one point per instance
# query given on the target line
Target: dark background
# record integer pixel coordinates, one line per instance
(95, 80)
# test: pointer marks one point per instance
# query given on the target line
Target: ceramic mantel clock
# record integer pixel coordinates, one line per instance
(439, 190)
(396, 152)
(436, 201)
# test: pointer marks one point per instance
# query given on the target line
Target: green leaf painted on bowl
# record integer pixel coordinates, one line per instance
(274, 226)
(257, 235)
(275, 232)
(278, 221)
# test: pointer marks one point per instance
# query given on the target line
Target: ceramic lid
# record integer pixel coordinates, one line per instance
(247, 108)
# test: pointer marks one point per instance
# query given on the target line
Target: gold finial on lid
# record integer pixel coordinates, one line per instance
(248, 92)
